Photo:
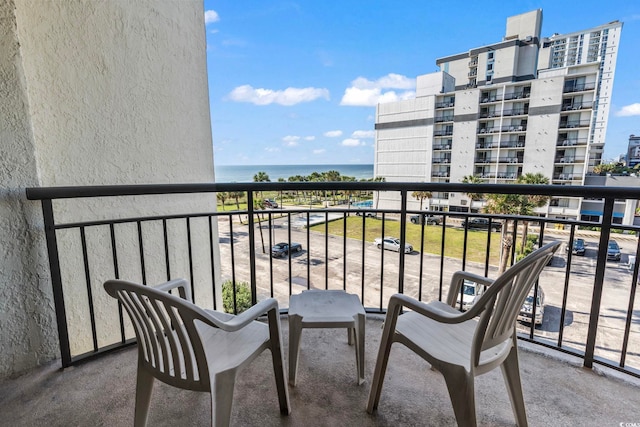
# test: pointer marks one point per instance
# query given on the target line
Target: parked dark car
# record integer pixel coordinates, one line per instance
(270, 203)
(481, 224)
(282, 249)
(578, 247)
(428, 219)
(613, 251)
(367, 213)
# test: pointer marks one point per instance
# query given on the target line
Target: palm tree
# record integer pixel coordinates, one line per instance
(530, 202)
(261, 177)
(421, 196)
(472, 179)
(378, 179)
(236, 195)
(222, 197)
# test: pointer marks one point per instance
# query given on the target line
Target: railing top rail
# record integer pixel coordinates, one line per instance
(50, 193)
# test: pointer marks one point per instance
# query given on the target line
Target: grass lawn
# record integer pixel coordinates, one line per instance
(454, 237)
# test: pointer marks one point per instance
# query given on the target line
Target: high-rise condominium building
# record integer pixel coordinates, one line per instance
(523, 105)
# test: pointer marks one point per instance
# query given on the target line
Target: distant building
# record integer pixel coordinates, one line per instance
(633, 151)
(525, 104)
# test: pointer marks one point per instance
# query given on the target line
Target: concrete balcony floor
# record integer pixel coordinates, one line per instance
(557, 391)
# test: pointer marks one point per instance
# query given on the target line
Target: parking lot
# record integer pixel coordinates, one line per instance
(342, 266)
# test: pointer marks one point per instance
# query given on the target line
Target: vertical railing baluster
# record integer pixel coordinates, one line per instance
(233, 265)
(212, 258)
(308, 252)
(143, 268)
(165, 236)
(326, 250)
(87, 278)
(403, 239)
(565, 292)
(632, 298)
(271, 243)
(190, 254)
(596, 300)
(116, 273)
(344, 251)
(384, 220)
(252, 249)
(56, 282)
(442, 249)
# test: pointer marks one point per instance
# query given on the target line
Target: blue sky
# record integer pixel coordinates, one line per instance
(296, 82)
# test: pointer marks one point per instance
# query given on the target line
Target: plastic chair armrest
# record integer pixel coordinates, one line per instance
(243, 319)
(457, 280)
(399, 300)
(181, 284)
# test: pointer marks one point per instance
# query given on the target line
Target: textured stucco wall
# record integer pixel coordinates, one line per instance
(26, 315)
(98, 92)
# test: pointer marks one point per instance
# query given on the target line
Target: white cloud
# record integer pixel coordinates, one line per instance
(309, 138)
(333, 133)
(629, 110)
(369, 93)
(364, 134)
(291, 140)
(211, 16)
(289, 96)
(319, 151)
(352, 142)
(272, 149)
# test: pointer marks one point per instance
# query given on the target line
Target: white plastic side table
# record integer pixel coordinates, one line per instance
(325, 309)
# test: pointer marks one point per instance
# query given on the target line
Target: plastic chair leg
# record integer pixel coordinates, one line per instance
(222, 397)
(359, 333)
(460, 384)
(277, 357)
(144, 387)
(295, 331)
(511, 373)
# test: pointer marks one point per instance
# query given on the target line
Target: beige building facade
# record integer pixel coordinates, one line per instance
(503, 110)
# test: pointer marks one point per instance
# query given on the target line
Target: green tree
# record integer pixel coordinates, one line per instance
(222, 197)
(421, 196)
(261, 177)
(237, 195)
(472, 179)
(530, 202)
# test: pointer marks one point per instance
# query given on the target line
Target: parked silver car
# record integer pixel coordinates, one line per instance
(392, 244)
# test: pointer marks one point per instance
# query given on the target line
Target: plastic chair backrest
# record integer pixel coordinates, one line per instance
(169, 345)
(502, 301)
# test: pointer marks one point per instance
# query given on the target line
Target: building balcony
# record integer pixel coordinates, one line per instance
(102, 391)
(489, 99)
(444, 119)
(571, 142)
(577, 106)
(574, 124)
(443, 132)
(593, 328)
(446, 104)
(485, 160)
(583, 87)
(570, 159)
(512, 159)
(517, 95)
(441, 147)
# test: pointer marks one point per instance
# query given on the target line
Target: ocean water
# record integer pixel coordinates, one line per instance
(245, 173)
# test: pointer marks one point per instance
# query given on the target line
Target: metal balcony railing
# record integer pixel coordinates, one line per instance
(338, 253)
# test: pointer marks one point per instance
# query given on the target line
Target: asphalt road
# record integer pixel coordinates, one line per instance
(314, 268)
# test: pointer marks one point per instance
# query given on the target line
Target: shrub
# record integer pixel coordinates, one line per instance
(243, 296)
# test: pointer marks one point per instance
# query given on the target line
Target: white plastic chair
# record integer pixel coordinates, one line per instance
(187, 347)
(459, 345)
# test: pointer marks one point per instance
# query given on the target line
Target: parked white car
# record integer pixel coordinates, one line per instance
(471, 291)
(392, 244)
(527, 308)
